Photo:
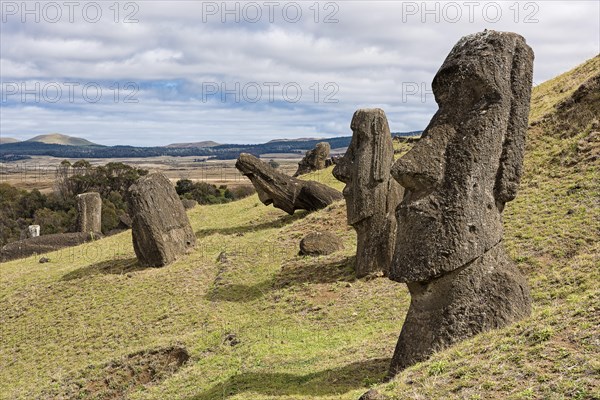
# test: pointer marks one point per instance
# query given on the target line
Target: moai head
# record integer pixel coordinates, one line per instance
(365, 167)
(468, 162)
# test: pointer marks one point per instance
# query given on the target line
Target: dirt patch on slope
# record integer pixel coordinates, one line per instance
(116, 379)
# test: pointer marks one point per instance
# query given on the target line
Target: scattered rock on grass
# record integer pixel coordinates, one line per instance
(373, 395)
(320, 244)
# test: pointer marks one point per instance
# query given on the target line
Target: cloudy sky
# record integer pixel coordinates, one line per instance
(157, 72)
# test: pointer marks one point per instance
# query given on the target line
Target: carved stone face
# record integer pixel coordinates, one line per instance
(468, 161)
(365, 166)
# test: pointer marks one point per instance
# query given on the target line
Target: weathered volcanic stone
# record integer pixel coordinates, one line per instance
(314, 160)
(320, 244)
(284, 192)
(373, 395)
(485, 294)
(89, 212)
(371, 194)
(124, 221)
(458, 177)
(160, 227)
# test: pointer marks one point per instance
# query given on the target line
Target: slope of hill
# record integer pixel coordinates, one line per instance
(264, 323)
(57, 138)
(7, 140)
(206, 143)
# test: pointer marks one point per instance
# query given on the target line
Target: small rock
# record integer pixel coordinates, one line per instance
(44, 260)
(373, 395)
(348, 284)
(231, 339)
(222, 257)
(320, 244)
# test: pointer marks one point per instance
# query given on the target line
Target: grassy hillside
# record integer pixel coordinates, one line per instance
(57, 138)
(264, 323)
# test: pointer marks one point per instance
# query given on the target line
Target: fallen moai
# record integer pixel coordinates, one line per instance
(45, 244)
(161, 230)
(371, 194)
(284, 192)
(457, 178)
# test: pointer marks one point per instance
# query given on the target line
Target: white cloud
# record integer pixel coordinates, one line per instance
(374, 51)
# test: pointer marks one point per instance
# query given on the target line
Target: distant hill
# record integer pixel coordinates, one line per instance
(199, 145)
(294, 140)
(217, 151)
(7, 140)
(57, 138)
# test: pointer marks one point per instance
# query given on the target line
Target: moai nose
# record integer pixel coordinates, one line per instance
(421, 169)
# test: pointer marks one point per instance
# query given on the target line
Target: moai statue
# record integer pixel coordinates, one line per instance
(457, 178)
(33, 231)
(371, 194)
(314, 160)
(160, 227)
(284, 192)
(89, 212)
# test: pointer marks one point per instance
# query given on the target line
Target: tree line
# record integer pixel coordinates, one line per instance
(56, 212)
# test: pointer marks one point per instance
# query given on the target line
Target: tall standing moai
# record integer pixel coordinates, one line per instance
(89, 212)
(458, 178)
(160, 227)
(371, 194)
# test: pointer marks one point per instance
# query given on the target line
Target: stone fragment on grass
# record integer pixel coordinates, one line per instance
(320, 244)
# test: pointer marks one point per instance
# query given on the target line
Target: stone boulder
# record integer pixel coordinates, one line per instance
(371, 194)
(284, 192)
(89, 212)
(320, 244)
(160, 227)
(457, 178)
(314, 160)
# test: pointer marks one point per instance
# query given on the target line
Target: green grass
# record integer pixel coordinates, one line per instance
(306, 328)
